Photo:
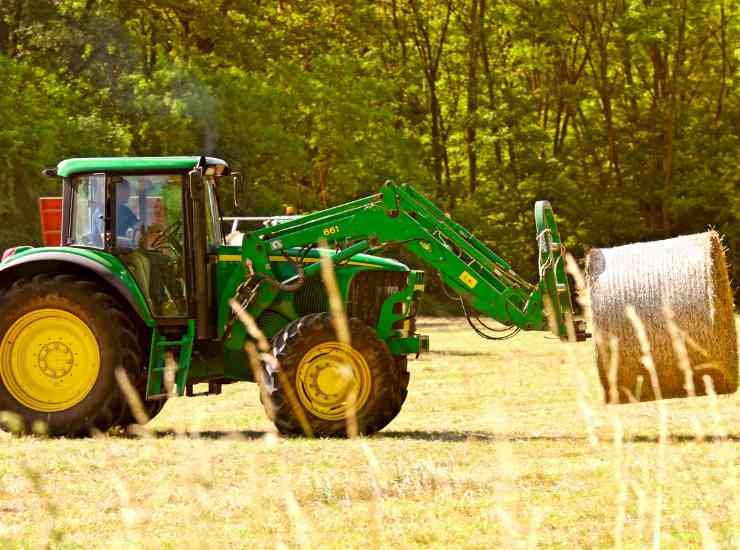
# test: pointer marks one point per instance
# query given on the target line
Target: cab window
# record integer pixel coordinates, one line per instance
(214, 236)
(88, 211)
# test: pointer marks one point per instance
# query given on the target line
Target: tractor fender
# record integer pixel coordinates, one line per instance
(104, 268)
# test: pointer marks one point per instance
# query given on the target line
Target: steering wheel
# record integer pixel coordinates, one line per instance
(166, 237)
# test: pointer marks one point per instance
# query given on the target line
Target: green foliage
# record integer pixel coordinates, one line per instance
(625, 115)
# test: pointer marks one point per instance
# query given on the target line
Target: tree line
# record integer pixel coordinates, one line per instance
(623, 113)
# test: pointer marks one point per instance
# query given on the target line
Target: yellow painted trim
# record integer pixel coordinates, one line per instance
(230, 258)
(468, 279)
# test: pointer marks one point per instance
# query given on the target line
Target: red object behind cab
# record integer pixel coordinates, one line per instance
(50, 209)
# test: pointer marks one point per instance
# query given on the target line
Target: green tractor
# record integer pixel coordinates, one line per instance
(144, 274)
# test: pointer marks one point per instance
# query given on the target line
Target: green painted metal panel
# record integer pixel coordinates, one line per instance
(407, 297)
(230, 273)
(406, 346)
(73, 166)
(105, 260)
(223, 363)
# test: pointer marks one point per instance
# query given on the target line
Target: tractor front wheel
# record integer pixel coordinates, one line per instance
(318, 385)
(61, 340)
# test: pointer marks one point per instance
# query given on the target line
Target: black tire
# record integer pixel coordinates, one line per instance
(118, 346)
(388, 378)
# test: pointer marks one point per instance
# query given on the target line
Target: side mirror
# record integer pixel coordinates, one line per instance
(236, 184)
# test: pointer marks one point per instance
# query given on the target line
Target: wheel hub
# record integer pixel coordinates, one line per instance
(49, 360)
(332, 378)
(56, 359)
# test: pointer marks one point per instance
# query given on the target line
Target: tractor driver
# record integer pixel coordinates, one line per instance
(125, 217)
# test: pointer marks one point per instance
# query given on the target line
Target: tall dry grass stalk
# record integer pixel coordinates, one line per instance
(649, 364)
(134, 402)
(262, 353)
(301, 527)
(376, 503)
(719, 429)
(678, 338)
(506, 512)
(621, 475)
(336, 306)
(53, 535)
(571, 358)
(610, 355)
(258, 352)
(341, 328)
(707, 538)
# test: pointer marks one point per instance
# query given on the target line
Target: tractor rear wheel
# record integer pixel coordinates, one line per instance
(317, 381)
(61, 339)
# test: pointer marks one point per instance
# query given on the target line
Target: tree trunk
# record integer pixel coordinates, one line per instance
(472, 93)
(430, 56)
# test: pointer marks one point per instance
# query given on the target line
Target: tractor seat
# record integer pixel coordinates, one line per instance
(140, 267)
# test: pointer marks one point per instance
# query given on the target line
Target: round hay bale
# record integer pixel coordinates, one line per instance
(683, 281)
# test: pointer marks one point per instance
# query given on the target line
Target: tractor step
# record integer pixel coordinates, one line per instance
(155, 386)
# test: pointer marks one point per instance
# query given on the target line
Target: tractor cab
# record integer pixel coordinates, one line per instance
(159, 216)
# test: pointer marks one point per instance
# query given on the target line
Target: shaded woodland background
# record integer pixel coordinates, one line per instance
(624, 114)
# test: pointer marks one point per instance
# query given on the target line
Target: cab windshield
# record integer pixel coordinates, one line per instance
(149, 237)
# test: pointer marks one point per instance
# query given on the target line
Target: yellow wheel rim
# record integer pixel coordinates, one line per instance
(327, 378)
(49, 360)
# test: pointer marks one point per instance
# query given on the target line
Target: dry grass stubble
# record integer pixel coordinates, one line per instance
(498, 445)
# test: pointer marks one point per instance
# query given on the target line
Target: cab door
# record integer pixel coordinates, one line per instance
(149, 237)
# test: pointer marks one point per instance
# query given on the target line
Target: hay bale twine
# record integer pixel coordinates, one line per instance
(689, 275)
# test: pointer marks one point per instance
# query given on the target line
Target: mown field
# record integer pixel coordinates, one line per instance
(499, 445)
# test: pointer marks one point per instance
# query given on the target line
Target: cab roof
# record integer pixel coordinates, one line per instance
(70, 167)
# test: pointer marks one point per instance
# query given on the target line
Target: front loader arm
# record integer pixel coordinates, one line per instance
(402, 216)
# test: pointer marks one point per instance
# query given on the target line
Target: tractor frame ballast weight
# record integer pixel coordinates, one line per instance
(144, 280)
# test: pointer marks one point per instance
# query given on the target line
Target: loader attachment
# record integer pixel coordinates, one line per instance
(553, 279)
